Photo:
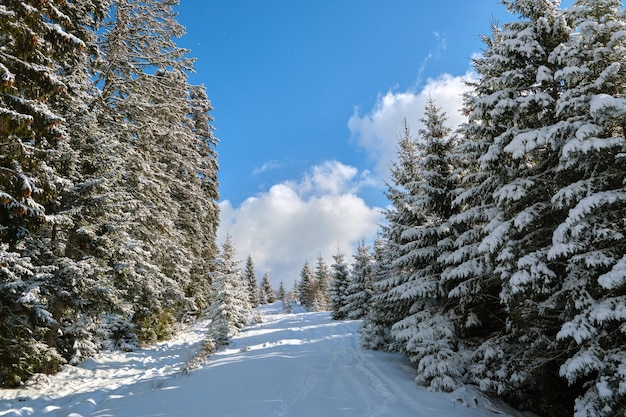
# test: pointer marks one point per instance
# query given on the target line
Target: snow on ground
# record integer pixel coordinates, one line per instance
(299, 365)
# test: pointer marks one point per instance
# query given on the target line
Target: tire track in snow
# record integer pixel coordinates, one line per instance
(345, 361)
(310, 376)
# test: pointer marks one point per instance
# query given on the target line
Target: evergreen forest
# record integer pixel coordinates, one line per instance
(501, 262)
(108, 181)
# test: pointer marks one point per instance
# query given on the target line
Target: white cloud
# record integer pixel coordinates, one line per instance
(377, 131)
(441, 40)
(334, 178)
(442, 45)
(269, 165)
(298, 221)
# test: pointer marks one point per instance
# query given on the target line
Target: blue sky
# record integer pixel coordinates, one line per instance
(308, 102)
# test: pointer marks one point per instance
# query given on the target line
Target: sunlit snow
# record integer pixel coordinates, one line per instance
(299, 364)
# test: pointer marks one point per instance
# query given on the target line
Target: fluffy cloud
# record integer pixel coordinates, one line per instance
(332, 177)
(296, 221)
(377, 131)
(299, 220)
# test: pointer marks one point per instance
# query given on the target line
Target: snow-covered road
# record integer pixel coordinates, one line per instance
(301, 364)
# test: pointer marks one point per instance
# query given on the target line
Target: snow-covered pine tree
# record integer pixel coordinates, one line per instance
(95, 208)
(24, 321)
(230, 309)
(162, 168)
(285, 297)
(250, 277)
(266, 292)
(262, 295)
(115, 222)
(36, 39)
(376, 328)
(340, 274)
(195, 186)
(427, 333)
(590, 242)
(511, 109)
(295, 292)
(307, 285)
(322, 282)
(281, 294)
(79, 291)
(400, 217)
(470, 283)
(360, 283)
(39, 43)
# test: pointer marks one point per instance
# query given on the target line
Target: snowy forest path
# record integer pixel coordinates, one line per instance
(302, 364)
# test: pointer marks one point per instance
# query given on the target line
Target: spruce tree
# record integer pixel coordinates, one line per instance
(162, 212)
(295, 292)
(24, 321)
(468, 279)
(267, 293)
(111, 248)
(589, 242)
(229, 310)
(337, 292)
(281, 293)
(79, 291)
(36, 39)
(322, 282)
(511, 110)
(307, 286)
(359, 290)
(283, 296)
(400, 218)
(250, 277)
(427, 334)
(376, 328)
(41, 42)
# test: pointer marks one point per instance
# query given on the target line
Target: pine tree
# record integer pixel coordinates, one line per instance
(284, 297)
(322, 282)
(24, 321)
(376, 328)
(470, 283)
(295, 292)
(400, 218)
(511, 112)
(40, 43)
(79, 291)
(111, 248)
(427, 334)
(469, 279)
(36, 39)
(281, 293)
(250, 277)
(590, 242)
(95, 207)
(161, 208)
(267, 293)
(196, 187)
(338, 286)
(229, 310)
(307, 286)
(360, 284)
